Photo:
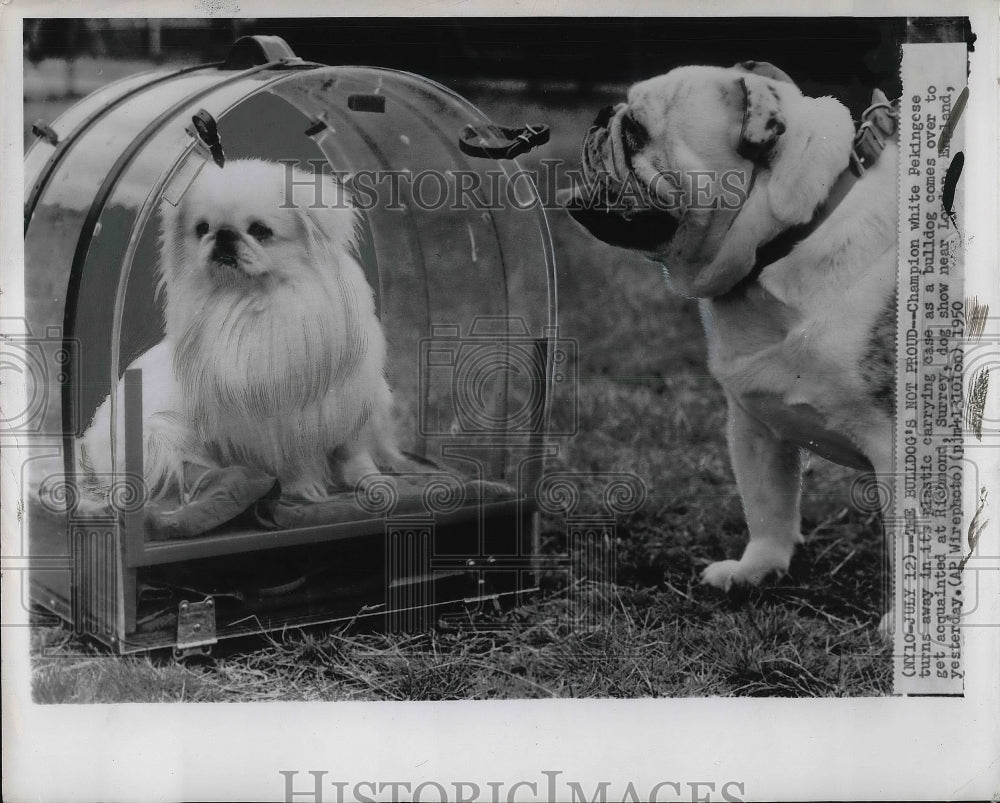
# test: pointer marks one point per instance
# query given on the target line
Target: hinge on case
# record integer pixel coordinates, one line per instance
(43, 130)
(195, 628)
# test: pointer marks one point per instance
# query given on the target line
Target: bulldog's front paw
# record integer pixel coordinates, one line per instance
(757, 566)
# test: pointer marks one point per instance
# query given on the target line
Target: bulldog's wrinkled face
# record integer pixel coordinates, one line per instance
(689, 141)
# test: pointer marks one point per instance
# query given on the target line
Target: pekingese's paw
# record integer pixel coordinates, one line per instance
(309, 488)
(171, 444)
(355, 467)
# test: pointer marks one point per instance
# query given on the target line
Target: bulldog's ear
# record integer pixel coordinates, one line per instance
(764, 69)
(763, 120)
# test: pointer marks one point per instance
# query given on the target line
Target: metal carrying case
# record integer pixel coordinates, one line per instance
(465, 294)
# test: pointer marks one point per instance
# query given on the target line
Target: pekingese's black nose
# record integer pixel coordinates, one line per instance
(225, 237)
(225, 243)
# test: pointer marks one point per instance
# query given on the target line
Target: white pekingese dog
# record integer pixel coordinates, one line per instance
(274, 357)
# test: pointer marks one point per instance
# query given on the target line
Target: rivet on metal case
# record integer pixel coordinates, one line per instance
(195, 628)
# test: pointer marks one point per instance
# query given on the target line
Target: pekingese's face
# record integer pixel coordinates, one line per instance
(257, 235)
(235, 229)
(241, 241)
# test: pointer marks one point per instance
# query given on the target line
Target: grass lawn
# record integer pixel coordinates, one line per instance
(646, 406)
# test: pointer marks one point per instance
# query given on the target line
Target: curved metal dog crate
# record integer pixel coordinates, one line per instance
(464, 288)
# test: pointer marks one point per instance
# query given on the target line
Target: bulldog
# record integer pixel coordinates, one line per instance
(762, 203)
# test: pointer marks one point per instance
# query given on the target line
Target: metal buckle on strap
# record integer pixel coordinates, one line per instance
(501, 142)
(878, 122)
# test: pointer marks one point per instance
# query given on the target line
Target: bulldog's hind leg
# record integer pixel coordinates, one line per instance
(768, 475)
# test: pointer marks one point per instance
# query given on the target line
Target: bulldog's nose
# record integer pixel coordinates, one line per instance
(604, 116)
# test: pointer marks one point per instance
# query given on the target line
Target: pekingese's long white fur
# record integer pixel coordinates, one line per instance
(274, 357)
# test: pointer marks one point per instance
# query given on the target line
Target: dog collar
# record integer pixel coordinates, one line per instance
(878, 123)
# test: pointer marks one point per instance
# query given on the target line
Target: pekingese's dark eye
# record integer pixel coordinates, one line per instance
(260, 232)
(201, 228)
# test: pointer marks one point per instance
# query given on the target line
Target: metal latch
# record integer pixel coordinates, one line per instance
(878, 123)
(195, 628)
(205, 132)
